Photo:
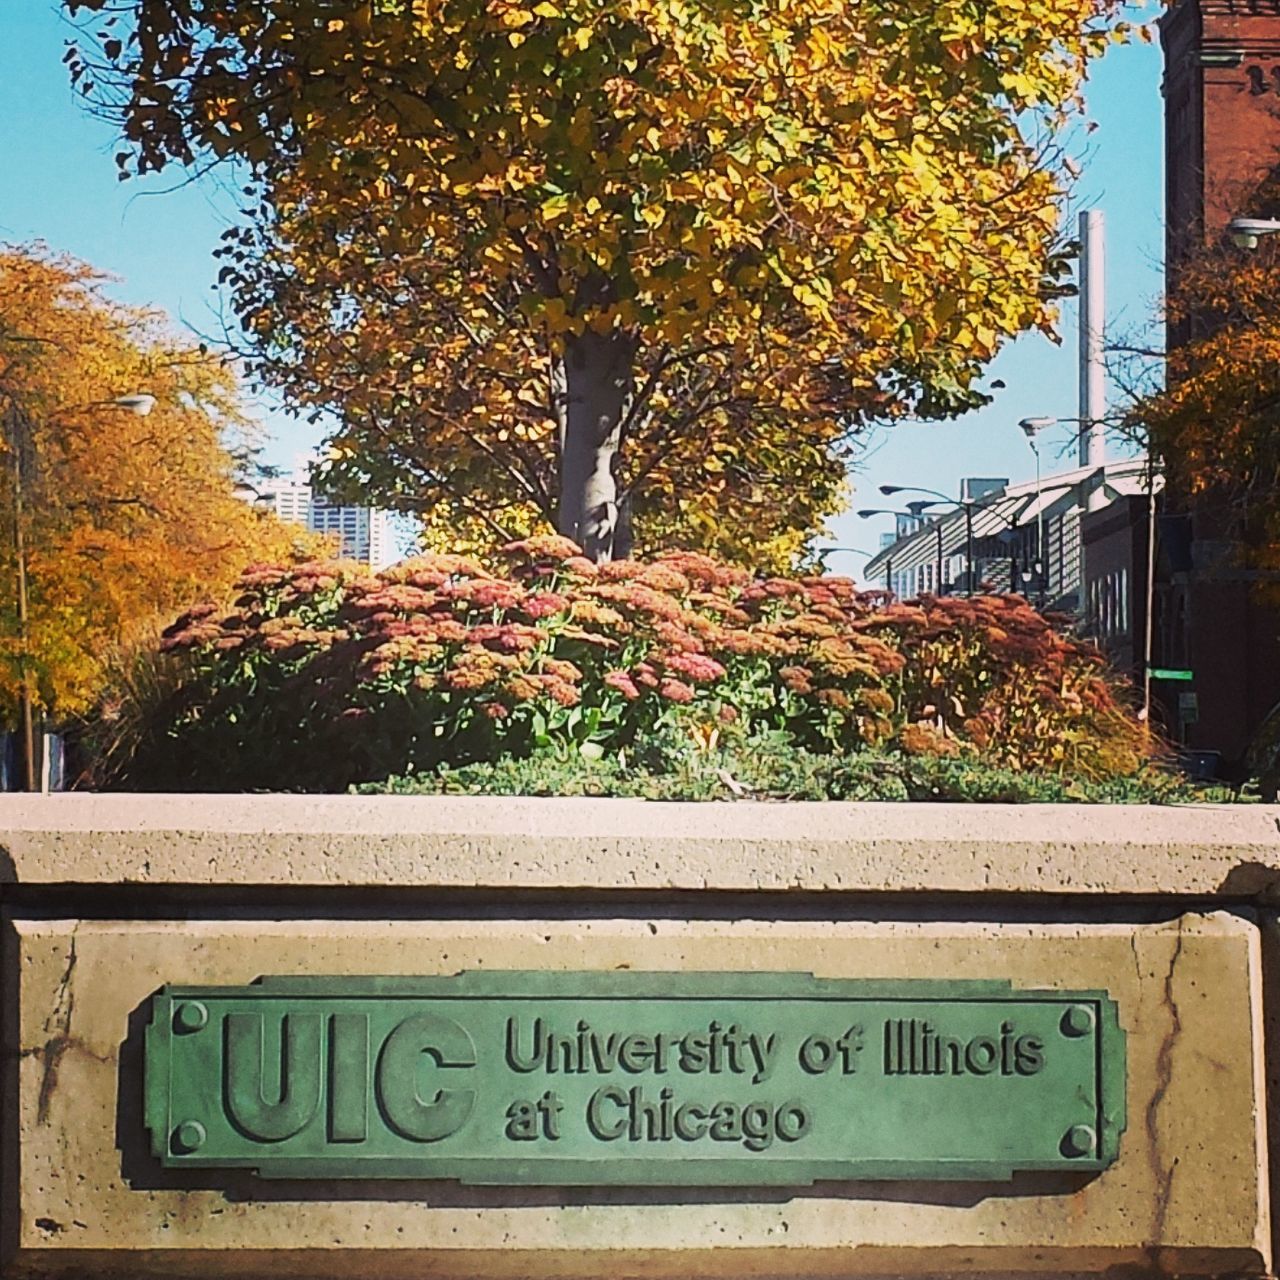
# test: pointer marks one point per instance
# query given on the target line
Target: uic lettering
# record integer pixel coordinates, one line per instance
(272, 1083)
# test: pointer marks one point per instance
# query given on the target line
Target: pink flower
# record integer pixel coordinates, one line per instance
(676, 637)
(580, 565)
(616, 570)
(488, 595)
(433, 570)
(263, 575)
(638, 597)
(544, 604)
(543, 546)
(797, 679)
(522, 688)
(698, 667)
(703, 569)
(396, 596)
(509, 637)
(449, 631)
(623, 683)
(565, 694)
(663, 577)
(675, 691)
(565, 670)
(600, 614)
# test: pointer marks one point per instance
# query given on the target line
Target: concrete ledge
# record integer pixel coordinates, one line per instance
(1206, 852)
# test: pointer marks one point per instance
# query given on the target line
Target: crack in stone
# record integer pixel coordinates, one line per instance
(1164, 1075)
(1137, 959)
(58, 1024)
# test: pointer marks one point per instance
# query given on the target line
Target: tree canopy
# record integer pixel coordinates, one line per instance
(1215, 424)
(616, 262)
(124, 518)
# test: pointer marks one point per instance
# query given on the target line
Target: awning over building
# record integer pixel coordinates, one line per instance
(1013, 512)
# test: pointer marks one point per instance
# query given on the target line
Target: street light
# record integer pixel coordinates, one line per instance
(1246, 232)
(137, 402)
(966, 503)
(822, 552)
(1031, 427)
(914, 509)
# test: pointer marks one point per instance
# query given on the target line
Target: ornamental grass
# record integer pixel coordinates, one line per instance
(322, 675)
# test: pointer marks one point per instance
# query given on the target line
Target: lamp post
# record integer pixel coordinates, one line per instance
(916, 510)
(1031, 427)
(966, 504)
(1246, 232)
(139, 403)
(1006, 535)
(859, 551)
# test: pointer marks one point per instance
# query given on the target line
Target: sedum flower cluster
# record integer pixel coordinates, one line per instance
(324, 675)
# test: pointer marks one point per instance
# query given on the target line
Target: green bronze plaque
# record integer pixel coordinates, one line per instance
(711, 1079)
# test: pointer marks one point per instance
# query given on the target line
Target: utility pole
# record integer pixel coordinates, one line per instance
(1149, 603)
(16, 444)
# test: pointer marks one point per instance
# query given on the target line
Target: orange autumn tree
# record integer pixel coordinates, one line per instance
(615, 264)
(123, 518)
(1216, 423)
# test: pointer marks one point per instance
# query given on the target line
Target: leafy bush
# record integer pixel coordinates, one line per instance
(324, 675)
(771, 771)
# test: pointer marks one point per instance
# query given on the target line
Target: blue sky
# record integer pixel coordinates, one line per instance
(58, 184)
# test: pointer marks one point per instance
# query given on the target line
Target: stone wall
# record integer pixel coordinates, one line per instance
(107, 899)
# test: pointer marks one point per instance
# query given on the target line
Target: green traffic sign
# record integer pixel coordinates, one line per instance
(517, 1078)
(1171, 673)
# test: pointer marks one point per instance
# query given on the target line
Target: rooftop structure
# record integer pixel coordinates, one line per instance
(1001, 530)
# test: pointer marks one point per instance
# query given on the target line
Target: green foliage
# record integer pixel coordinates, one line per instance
(778, 220)
(324, 676)
(776, 770)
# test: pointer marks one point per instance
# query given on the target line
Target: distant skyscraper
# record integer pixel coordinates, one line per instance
(291, 501)
(364, 533)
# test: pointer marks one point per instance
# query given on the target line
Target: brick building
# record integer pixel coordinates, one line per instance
(1222, 160)
(1222, 115)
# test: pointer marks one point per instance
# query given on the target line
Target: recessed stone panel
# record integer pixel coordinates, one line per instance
(1182, 1192)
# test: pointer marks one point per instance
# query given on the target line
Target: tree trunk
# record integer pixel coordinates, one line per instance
(624, 537)
(597, 373)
